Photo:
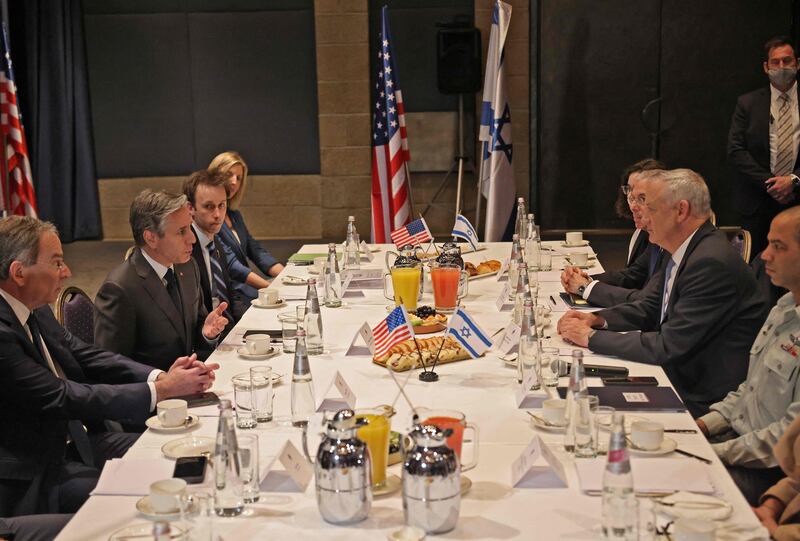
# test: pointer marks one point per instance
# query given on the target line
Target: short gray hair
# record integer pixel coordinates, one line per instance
(149, 212)
(683, 184)
(19, 241)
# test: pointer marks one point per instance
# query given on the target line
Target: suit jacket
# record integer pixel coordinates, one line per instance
(238, 306)
(36, 404)
(135, 315)
(714, 312)
(748, 151)
(238, 252)
(628, 284)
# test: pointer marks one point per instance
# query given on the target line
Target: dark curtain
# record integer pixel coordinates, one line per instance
(49, 49)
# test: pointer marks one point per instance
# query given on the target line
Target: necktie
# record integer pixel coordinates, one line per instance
(656, 252)
(219, 288)
(76, 430)
(667, 289)
(784, 137)
(172, 289)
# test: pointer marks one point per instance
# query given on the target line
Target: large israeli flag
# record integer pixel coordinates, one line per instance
(467, 332)
(497, 174)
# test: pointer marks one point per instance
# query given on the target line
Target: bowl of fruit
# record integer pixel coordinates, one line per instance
(425, 320)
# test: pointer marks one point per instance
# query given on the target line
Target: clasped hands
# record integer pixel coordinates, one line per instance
(572, 278)
(186, 376)
(576, 327)
(781, 189)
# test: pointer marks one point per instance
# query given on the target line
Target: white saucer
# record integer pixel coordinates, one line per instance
(294, 281)
(576, 245)
(242, 351)
(191, 446)
(312, 270)
(392, 485)
(547, 428)
(144, 507)
(154, 424)
(281, 303)
(143, 531)
(667, 446)
(484, 275)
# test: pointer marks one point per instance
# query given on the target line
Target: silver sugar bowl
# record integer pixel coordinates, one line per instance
(431, 481)
(343, 471)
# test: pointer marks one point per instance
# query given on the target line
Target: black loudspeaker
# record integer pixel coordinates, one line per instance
(458, 60)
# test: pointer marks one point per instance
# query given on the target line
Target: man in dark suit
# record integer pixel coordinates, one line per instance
(763, 144)
(208, 201)
(52, 383)
(700, 323)
(644, 258)
(150, 308)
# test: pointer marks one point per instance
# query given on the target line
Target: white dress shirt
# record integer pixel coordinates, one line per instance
(774, 107)
(159, 269)
(590, 286)
(23, 312)
(203, 240)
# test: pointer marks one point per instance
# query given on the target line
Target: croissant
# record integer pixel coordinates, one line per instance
(404, 356)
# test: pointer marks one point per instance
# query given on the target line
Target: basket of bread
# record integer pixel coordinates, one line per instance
(404, 356)
(484, 268)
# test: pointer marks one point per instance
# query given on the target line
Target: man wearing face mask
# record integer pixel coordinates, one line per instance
(762, 144)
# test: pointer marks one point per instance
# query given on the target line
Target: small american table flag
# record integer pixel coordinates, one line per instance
(394, 329)
(414, 233)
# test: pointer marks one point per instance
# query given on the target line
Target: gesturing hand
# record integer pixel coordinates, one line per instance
(215, 322)
(572, 278)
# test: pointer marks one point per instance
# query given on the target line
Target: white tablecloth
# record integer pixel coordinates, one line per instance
(483, 389)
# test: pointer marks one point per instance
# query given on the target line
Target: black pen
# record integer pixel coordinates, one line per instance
(680, 430)
(686, 453)
(552, 300)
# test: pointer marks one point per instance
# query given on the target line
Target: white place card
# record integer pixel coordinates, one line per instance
(345, 399)
(523, 394)
(364, 274)
(503, 268)
(510, 339)
(501, 300)
(295, 476)
(526, 473)
(366, 253)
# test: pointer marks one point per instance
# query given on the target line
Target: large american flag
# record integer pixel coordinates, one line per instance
(414, 233)
(17, 195)
(391, 196)
(394, 329)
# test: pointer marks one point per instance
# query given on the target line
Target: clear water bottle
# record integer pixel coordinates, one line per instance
(513, 264)
(228, 487)
(529, 354)
(303, 403)
(521, 291)
(532, 244)
(620, 514)
(312, 321)
(352, 258)
(577, 388)
(519, 225)
(333, 279)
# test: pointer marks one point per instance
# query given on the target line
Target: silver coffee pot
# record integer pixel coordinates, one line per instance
(431, 481)
(343, 471)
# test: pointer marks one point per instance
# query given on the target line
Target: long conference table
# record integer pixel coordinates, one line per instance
(482, 388)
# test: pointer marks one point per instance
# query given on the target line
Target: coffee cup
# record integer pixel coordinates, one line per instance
(267, 295)
(694, 529)
(172, 412)
(574, 238)
(554, 411)
(647, 435)
(165, 495)
(319, 264)
(257, 344)
(579, 259)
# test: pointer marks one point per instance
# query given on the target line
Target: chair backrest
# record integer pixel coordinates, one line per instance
(743, 242)
(75, 312)
(128, 253)
(713, 218)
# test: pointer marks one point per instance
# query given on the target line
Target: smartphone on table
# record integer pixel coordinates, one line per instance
(191, 469)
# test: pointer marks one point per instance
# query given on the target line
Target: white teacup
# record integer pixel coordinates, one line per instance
(172, 412)
(319, 264)
(693, 529)
(554, 411)
(165, 495)
(267, 295)
(579, 259)
(257, 344)
(574, 238)
(647, 435)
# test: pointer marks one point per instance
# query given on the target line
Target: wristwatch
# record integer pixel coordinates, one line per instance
(795, 182)
(582, 288)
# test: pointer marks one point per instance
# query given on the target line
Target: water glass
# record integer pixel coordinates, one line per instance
(248, 467)
(584, 428)
(243, 399)
(301, 317)
(549, 355)
(545, 259)
(620, 517)
(528, 358)
(261, 381)
(288, 330)
(603, 417)
(199, 523)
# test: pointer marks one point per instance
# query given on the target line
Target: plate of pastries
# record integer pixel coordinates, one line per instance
(426, 320)
(482, 269)
(404, 356)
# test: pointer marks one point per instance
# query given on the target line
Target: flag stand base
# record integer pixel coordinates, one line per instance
(428, 377)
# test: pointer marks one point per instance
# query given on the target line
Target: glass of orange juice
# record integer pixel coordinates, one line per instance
(457, 422)
(405, 285)
(376, 435)
(449, 285)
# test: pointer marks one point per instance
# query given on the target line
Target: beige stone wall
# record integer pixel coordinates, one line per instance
(317, 206)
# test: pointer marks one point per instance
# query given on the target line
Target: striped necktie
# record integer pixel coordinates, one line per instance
(219, 288)
(784, 136)
(667, 288)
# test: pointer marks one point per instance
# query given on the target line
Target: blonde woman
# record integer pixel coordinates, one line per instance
(241, 245)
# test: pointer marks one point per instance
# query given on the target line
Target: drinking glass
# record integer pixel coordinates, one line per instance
(243, 398)
(376, 435)
(602, 419)
(529, 358)
(405, 285)
(548, 357)
(450, 285)
(248, 466)
(301, 318)
(199, 522)
(584, 428)
(545, 259)
(457, 422)
(261, 381)
(288, 331)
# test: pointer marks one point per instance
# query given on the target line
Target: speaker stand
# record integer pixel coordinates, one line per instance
(457, 165)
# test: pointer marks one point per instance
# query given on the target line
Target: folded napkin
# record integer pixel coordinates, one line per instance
(305, 258)
(132, 476)
(652, 474)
